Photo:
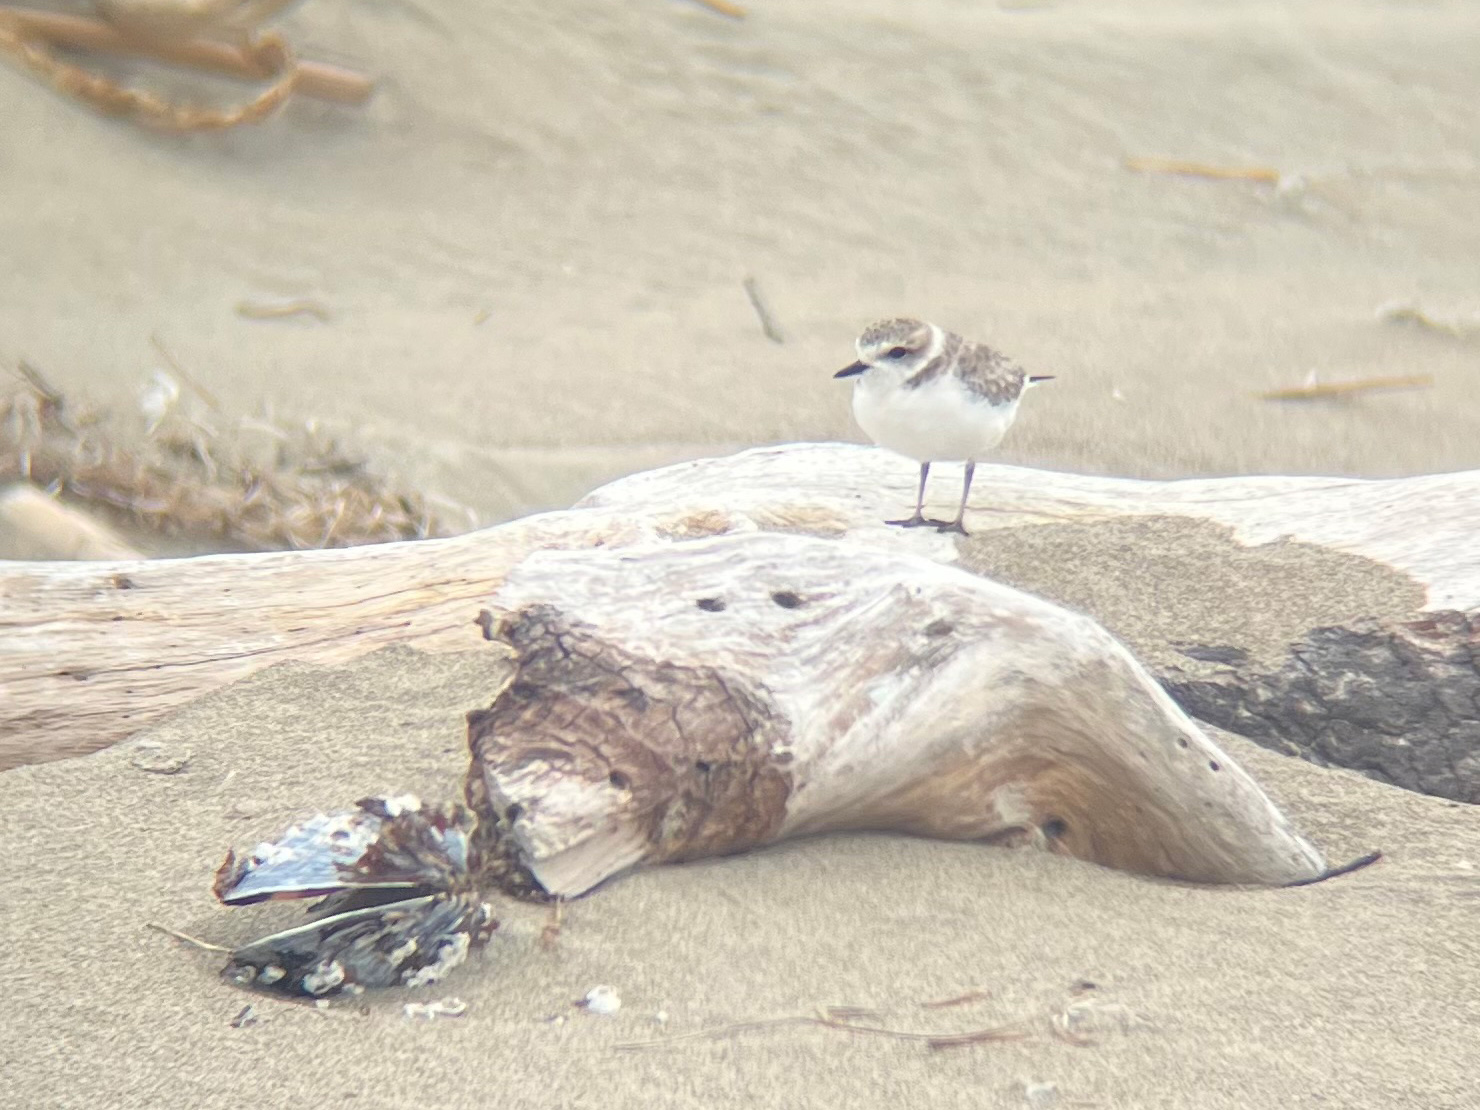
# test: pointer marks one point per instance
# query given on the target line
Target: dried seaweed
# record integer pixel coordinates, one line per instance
(254, 486)
(219, 36)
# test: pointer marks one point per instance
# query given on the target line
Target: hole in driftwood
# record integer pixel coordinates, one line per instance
(1182, 741)
(786, 599)
(513, 813)
(702, 766)
(939, 628)
(619, 780)
(1054, 827)
(1213, 765)
(123, 582)
(711, 604)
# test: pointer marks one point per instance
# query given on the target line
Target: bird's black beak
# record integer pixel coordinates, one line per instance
(851, 371)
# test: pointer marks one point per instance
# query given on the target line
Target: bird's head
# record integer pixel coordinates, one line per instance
(900, 347)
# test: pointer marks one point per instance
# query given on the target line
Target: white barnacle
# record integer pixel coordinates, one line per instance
(270, 974)
(404, 952)
(324, 978)
(401, 803)
(452, 952)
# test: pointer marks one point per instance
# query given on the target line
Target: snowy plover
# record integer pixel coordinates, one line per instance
(930, 395)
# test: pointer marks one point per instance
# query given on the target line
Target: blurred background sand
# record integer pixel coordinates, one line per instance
(532, 241)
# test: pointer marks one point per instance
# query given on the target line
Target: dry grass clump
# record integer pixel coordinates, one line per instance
(257, 486)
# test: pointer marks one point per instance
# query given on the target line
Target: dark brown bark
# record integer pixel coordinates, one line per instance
(1398, 701)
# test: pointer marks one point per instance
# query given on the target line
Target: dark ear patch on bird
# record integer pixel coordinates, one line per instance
(851, 371)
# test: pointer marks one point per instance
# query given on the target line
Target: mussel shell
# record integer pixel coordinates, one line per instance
(413, 942)
(384, 843)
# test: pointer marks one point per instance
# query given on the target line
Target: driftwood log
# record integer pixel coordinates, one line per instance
(674, 701)
(704, 697)
(90, 653)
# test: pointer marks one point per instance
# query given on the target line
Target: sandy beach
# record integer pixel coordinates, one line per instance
(530, 248)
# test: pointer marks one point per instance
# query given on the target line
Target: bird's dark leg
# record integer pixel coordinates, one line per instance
(957, 525)
(918, 520)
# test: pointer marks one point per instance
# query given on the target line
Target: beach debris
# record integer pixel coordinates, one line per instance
(828, 1018)
(603, 1001)
(180, 478)
(641, 727)
(958, 1000)
(186, 938)
(1086, 1019)
(763, 311)
(181, 32)
(398, 909)
(157, 399)
(151, 757)
(1040, 1096)
(178, 370)
(1407, 312)
(246, 1016)
(1311, 389)
(449, 1007)
(1263, 174)
(550, 933)
(279, 310)
(723, 7)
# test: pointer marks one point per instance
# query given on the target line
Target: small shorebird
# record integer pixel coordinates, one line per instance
(928, 394)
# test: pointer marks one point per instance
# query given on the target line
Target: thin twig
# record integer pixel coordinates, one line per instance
(959, 1000)
(768, 322)
(1263, 174)
(720, 1031)
(184, 375)
(1014, 1031)
(1413, 314)
(187, 938)
(254, 311)
(1314, 390)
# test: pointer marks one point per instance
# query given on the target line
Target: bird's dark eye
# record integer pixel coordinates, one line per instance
(897, 352)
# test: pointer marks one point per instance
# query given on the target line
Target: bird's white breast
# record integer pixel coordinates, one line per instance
(940, 421)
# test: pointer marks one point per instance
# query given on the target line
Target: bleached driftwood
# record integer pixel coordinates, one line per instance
(677, 701)
(706, 697)
(1426, 527)
(92, 652)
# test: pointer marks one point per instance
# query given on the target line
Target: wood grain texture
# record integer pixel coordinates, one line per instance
(701, 698)
(92, 652)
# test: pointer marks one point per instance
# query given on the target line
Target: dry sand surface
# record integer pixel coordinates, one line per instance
(1357, 992)
(598, 177)
(593, 182)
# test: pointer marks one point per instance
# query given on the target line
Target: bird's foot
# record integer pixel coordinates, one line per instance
(919, 521)
(950, 526)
